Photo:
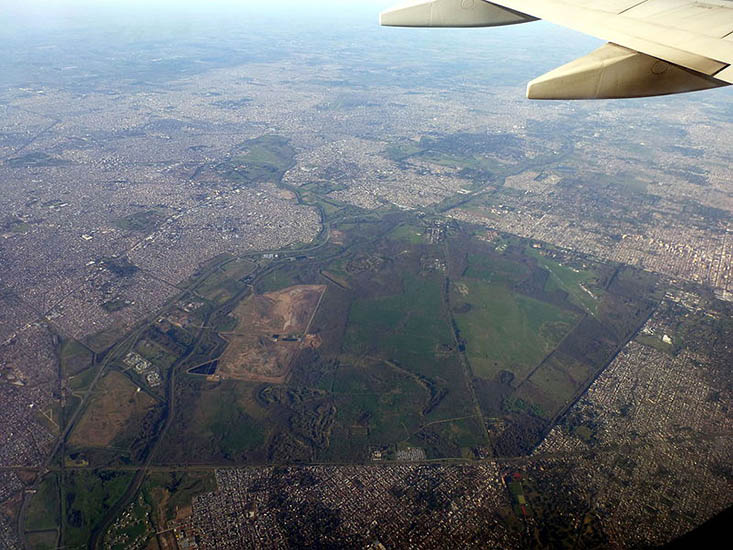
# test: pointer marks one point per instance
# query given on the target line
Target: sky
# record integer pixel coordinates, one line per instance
(30, 28)
(85, 7)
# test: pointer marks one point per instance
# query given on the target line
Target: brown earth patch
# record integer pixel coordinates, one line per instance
(337, 237)
(286, 194)
(272, 329)
(114, 403)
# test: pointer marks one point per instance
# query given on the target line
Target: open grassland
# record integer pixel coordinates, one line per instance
(464, 152)
(116, 404)
(411, 331)
(75, 358)
(495, 269)
(376, 405)
(88, 496)
(217, 423)
(553, 384)
(277, 280)
(226, 282)
(157, 354)
(412, 234)
(43, 511)
(261, 160)
(506, 331)
(144, 221)
(456, 437)
(580, 285)
(409, 328)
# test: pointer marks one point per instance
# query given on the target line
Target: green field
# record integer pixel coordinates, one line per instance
(409, 328)
(453, 438)
(43, 511)
(553, 384)
(403, 150)
(75, 357)
(226, 282)
(277, 280)
(376, 405)
(261, 160)
(409, 233)
(443, 152)
(495, 269)
(80, 382)
(581, 285)
(217, 422)
(157, 354)
(506, 331)
(88, 496)
(144, 221)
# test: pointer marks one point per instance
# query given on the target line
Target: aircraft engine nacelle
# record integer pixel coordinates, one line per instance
(451, 13)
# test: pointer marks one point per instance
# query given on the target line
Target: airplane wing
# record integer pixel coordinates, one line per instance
(655, 47)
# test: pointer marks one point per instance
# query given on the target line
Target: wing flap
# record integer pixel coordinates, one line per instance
(613, 72)
(655, 46)
(672, 42)
(450, 13)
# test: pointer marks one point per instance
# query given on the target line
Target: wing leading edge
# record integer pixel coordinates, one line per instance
(655, 47)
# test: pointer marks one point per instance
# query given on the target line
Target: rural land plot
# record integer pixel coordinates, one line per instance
(411, 331)
(504, 330)
(272, 329)
(88, 495)
(113, 415)
(220, 421)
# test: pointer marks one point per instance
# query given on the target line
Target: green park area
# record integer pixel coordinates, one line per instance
(261, 160)
(503, 329)
(87, 497)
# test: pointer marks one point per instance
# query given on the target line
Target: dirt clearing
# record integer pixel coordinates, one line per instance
(272, 328)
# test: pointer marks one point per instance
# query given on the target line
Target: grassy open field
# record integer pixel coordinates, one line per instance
(43, 510)
(115, 408)
(75, 358)
(409, 328)
(88, 495)
(260, 160)
(553, 384)
(410, 233)
(157, 354)
(80, 382)
(506, 331)
(460, 152)
(451, 438)
(226, 282)
(376, 405)
(277, 280)
(217, 424)
(143, 221)
(495, 269)
(581, 285)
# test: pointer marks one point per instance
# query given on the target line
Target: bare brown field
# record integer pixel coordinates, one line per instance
(114, 403)
(272, 328)
(285, 194)
(337, 237)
